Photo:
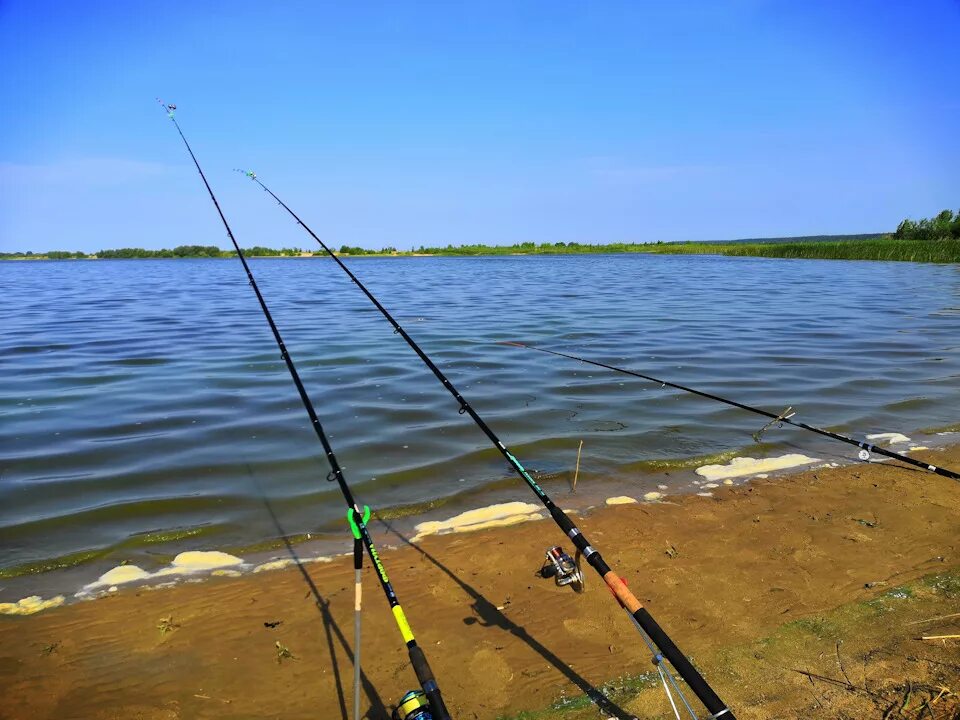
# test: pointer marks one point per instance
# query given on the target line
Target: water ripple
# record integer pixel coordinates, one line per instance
(146, 399)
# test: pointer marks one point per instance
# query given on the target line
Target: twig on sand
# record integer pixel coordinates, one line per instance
(940, 637)
(934, 619)
(845, 684)
(207, 697)
(813, 688)
(576, 473)
(840, 664)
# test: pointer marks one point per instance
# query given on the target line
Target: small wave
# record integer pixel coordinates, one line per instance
(57, 563)
(694, 461)
(34, 349)
(140, 540)
(951, 428)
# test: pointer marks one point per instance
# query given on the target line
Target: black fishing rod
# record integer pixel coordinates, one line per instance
(783, 417)
(358, 518)
(627, 600)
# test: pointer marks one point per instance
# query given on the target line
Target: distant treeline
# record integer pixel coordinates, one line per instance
(928, 240)
(530, 248)
(935, 240)
(184, 251)
(181, 251)
(945, 226)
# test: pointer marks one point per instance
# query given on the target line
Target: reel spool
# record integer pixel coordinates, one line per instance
(562, 568)
(413, 706)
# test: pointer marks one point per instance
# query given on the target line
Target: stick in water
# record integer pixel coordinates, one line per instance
(576, 473)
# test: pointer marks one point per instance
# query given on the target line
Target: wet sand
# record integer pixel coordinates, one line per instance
(722, 575)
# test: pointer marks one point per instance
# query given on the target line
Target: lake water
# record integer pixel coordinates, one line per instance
(144, 408)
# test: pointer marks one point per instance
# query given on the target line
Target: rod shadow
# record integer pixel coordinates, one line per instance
(489, 616)
(377, 710)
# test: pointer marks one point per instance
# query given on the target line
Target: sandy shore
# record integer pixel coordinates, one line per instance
(755, 583)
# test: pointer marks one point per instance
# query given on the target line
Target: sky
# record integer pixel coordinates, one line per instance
(435, 123)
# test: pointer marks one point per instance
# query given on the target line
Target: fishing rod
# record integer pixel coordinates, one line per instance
(357, 604)
(355, 516)
(623, 595)
(775, 419)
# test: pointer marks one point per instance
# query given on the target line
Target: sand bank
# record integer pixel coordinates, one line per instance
(721, 574)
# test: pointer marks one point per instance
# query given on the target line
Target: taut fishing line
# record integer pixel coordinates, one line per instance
(775, 419)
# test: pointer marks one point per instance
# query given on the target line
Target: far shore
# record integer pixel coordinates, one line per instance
(931, 240)
(852, 247)
(800, 595)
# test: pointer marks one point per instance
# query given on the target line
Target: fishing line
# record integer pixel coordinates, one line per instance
(356, 517)
(627, 600)
(775, 418)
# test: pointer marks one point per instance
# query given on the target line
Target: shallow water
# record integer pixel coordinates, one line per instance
(144, 408)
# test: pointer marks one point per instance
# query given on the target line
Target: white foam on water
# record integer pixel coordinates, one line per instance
(31, 605)
(123, 574)
(622, 500)
(891, 438)
(738, 467)
(653, 496)
(201, 560)
(498, 515)
(274, 565)
(287, 562)
(186, 563)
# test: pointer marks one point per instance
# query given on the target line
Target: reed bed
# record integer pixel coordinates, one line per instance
(932, 251)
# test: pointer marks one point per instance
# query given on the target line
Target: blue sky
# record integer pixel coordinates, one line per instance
(403, 124)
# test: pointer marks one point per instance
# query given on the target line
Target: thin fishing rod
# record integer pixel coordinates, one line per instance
(357, 596)
(357, 518)
(627, 600)
(781, 418)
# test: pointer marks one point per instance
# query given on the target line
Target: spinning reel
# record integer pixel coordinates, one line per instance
(562, 568)
(413, 706)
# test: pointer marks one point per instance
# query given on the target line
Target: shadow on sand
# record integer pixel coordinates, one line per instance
(488, 616)
(377, 710)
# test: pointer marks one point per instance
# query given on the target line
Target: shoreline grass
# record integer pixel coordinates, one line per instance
(885, 249)
(854, 247)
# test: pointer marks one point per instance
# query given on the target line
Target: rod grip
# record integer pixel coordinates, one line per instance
(425, 676)
(683, 666)
(622, 593)
(358, 554)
